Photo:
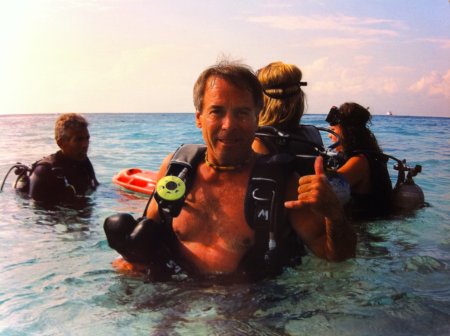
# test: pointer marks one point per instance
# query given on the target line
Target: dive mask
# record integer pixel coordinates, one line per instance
(333, 117)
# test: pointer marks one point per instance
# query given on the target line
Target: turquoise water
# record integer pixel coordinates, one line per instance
(55, 265)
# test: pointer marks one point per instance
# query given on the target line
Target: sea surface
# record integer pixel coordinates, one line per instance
(56, 276)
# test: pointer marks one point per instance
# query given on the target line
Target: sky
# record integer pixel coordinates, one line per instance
(144, 56)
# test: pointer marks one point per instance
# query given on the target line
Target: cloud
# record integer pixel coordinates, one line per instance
(353, 43)
(352, 79)
(94, 5)
(440, 42)
(318, 65)
(389, 86)
(276, 5)
(433, 84)
(362, 59)
(347, 24)
(397, 69)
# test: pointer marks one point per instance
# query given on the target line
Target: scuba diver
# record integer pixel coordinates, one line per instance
(280, 131)
(225, 210)
(364, 165)
(284, 105)
(64, 175)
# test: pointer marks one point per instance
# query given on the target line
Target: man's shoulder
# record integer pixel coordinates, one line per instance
(188, 152)
(44, 163)
(47, 160)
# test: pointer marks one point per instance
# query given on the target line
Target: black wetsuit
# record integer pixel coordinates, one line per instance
(377, 203)
(57, 178)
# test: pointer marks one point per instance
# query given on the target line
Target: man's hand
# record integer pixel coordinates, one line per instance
(315, 192)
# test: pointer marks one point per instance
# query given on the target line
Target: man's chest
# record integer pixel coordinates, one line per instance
(212, 213)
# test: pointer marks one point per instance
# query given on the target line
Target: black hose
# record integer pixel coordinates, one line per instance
(6, 176)
(275, 133)
(24, 169)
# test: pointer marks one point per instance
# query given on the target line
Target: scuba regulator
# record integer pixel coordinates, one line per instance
(23, 177)
(407, 194)
(143, 240)
(170, 193)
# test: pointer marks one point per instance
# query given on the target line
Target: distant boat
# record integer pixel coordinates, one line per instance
(389, 113)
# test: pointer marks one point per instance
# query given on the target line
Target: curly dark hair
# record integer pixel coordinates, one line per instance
(356, 135)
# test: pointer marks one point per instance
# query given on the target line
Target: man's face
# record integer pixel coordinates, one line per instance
(228, 122)
(75, 146)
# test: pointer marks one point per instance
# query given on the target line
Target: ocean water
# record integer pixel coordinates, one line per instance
(56, 276)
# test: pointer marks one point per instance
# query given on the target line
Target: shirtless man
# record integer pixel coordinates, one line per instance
(211, 231)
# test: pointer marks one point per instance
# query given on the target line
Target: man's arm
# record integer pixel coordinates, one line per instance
(46, 184)
(42, 183)
(318, 217)
(137, 240)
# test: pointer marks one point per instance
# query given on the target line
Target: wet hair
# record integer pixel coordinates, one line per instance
(333, 116)
(238, 74)
(354, 120)
(66, 122)
(284, 99)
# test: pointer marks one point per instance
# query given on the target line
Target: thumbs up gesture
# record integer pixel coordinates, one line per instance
(315, 192)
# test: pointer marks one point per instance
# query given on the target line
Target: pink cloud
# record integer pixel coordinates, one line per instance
(433, 84)
(356, 26)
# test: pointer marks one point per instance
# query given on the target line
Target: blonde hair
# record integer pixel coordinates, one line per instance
(68, 121)
(284, 100)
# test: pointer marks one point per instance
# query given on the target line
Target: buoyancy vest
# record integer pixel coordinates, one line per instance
(276, 244)
(379, 201)
(56, 177)
(305, 142)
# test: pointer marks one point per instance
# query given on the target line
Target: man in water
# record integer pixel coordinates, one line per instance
(211, 234)
(68, 173)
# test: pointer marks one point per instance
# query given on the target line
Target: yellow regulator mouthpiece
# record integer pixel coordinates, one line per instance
(171, 188)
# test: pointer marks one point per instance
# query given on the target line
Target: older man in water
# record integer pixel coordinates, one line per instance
(68, 173)
(212, 234)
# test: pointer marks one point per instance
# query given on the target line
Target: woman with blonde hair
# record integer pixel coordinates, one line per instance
(284, 105)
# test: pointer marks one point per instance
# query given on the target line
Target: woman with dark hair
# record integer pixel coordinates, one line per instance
(365, 165)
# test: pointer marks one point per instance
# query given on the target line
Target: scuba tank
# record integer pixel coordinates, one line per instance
(407, 194)
(23, 173)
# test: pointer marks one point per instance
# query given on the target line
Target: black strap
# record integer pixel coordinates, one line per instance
(186, 156)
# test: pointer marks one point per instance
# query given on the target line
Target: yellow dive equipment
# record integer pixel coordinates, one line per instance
(171, 188)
